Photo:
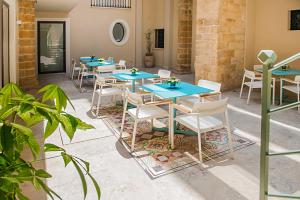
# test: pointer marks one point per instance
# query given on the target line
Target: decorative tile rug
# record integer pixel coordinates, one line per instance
(152, 150)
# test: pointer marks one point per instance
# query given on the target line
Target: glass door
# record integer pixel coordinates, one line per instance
(51, 47)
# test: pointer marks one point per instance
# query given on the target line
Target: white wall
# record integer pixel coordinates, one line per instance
(90, 32)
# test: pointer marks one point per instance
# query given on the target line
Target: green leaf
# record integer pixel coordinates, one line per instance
(50, 128)
(97, 187)
(54, 92)
(7, 111)
(47, 189)
(42, 173)
(25, 107)
(32, 142)
(7, 141)
(69, 124)
(51, 147)
(21, 196)
(67, 158)
(83, 126)
(10, 179)
(36, 183)
(87, 164)
(83, 181)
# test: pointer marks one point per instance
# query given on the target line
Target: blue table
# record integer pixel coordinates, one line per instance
(280, 72)
(184, 89)
(88, 59)
(133, 78)
(99, 64)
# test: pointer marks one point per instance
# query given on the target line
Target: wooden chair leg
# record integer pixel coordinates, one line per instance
(274, 89)
(242, 87)
(134, 135)
(200, 147)
(171, 126)
(98, 106)
(123, 119)
(249, 94)
(281, 92)
(229, 136)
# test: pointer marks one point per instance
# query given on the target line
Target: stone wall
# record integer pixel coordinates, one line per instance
(27, 44)
(220, 41)
(185, 32)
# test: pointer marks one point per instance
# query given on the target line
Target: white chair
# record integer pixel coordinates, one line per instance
(85, 73)
(292, 86)
(163, 75)
(110, 59)
(142, 112)
(202, 118)
(255, 82)
(105, 87)
(75, 69)
(191, 100)
(121, 64)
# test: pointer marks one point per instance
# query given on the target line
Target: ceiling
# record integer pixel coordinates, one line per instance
(56, 5)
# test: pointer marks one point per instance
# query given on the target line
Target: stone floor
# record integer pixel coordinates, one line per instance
(121, 178)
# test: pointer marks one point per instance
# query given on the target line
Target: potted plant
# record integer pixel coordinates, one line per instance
(92, 58)
(149, 58)
(134, 71)
(173, 82)
(19, 113)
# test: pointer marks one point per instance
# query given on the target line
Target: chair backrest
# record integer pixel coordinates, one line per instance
(210, 107)
(108, 68)
(216, 87)
(297, 78)
(111, 59)
(134, 98)
(257, 67)
(249, 74)
(164, 73)
(83, 66)
(121, 71)
(74, 62)
(122, 62)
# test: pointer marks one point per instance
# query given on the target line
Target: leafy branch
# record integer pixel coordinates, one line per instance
(19, 112)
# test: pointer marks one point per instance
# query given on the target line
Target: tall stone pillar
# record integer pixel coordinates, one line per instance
(220, 41)
(185, 32)
(27, 44)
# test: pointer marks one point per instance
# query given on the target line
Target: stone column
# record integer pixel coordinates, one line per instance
(220, 41)
(27, 45)
(185, 32)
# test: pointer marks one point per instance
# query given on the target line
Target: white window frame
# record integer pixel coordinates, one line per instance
(126, 30)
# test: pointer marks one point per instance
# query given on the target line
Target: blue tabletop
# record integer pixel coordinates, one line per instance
(139, 75)
(184, 89)
(99, 64)
(280, 72)
(88, 59)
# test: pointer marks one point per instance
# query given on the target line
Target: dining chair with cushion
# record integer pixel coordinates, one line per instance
(143, 112)
(163, 75)
(121, 65)
(292, 86)
(105, 87)
(254, 82)
(204, 117)
(191, 100)
(85, 73)
(75, 68)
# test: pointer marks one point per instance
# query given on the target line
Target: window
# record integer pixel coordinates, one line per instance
(295, 20)
(119, 32)
(159, 38)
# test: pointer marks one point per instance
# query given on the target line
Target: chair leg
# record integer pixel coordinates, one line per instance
(123, 118)
(133, 135)
(93, 98)
(281, 92)
(249, 94)
(274, 89)
(81, 79)
(72, 74)
(98, 106)
(200, 147)
(242, 87)
(229, 136)
(171, 126)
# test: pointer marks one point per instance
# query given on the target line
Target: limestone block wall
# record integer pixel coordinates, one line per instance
(220, 41)
(27, 44)
(185, 32)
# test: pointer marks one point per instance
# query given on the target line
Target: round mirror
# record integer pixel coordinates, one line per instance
(119, 32)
